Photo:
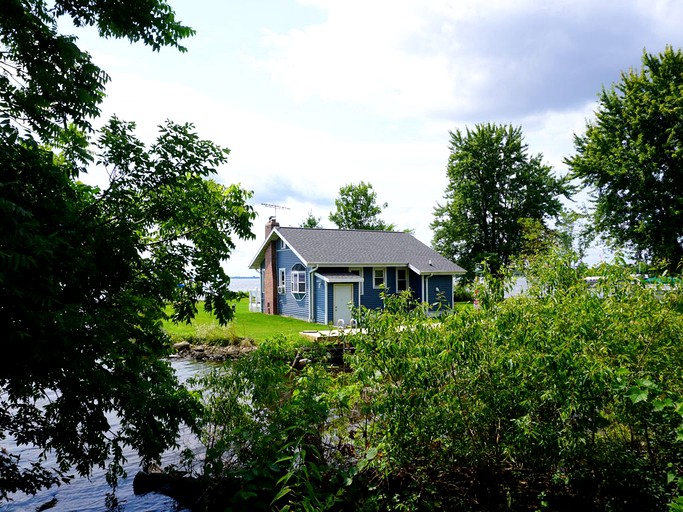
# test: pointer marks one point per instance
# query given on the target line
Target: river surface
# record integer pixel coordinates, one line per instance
(244, 284)
(88, 495)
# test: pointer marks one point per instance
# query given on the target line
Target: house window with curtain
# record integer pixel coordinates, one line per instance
(298, 281)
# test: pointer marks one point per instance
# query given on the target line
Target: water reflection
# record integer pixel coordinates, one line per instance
(88, 495)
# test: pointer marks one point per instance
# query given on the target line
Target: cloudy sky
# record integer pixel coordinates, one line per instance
(311, 95)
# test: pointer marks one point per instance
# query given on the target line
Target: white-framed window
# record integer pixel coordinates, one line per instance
(379, 277)
(401, 279)
(281, 280)
(359, 273)
(281, 244)
(298, 281)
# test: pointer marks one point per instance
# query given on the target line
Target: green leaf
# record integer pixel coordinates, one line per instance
(637, 394)
(371, 453)
(659, 405)
(679, 435)
(625, 156)
(646, 383)
(281, 493)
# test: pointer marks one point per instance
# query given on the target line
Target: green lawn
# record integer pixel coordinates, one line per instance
(255, 326)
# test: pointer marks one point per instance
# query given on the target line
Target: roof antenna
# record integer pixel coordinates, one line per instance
(275, 208)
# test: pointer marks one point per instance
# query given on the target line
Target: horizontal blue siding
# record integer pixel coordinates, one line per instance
(288, 305)
(370, 299)
(390, 279)
(330, 303)
(319, 300)
(444, 297)
(415, 283)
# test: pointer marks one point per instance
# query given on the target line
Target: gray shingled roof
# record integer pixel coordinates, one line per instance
(335, 247)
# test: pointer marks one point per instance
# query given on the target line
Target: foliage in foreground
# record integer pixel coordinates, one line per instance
(85, 275)
(85, 272)
(567, 398)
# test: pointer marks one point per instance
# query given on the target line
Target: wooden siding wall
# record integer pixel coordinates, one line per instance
(330, 303)
(288, 305)
(370, 299)
(390, 281)
(415, 283)
(319, 300)
(445, 286)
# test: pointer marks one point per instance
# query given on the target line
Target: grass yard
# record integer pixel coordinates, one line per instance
(246, 324)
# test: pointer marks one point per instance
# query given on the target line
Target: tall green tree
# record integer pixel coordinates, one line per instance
(493, 183)
(311, 222)
(357, 208)
(86, 273)
(631, 158)
(46, 80)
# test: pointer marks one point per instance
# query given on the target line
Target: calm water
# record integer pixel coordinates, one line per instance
(85, 495)
(244, 284)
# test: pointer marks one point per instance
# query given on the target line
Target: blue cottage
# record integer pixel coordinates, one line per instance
(319, 274)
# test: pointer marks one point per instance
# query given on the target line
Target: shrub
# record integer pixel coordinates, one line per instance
(569, 391)
(567, 397)
(270, 427)
(462, 292)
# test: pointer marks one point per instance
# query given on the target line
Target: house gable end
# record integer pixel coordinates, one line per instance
(272, 237)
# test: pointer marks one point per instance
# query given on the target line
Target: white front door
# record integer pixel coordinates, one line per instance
(343, 296)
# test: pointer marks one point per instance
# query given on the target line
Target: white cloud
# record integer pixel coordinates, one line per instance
(297, 167)
(357, 57)
(552, 133)
(370, 90)
(466, 58)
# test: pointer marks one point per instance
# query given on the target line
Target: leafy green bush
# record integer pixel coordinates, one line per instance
(269, 427)
(568, 397)
(463, 292)
(570, 391)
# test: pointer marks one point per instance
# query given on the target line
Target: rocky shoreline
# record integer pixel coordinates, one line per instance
(213, 353)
